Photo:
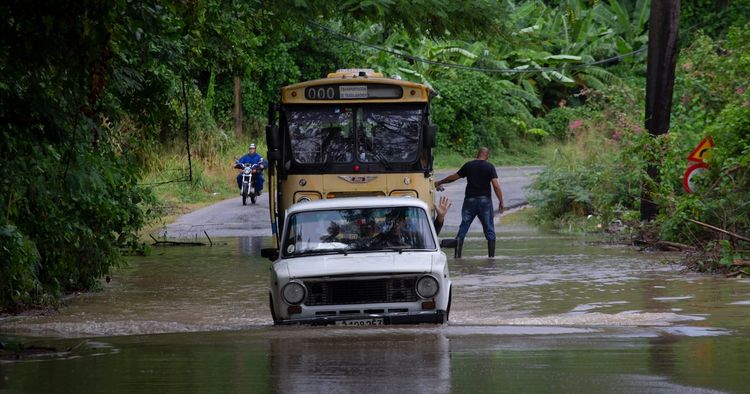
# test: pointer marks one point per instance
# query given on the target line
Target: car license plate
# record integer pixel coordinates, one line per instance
(360, 322)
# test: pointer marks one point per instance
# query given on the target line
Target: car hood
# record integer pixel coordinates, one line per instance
(371, 263)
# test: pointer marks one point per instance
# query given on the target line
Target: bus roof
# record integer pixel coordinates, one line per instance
(355, 72)
(356, 81)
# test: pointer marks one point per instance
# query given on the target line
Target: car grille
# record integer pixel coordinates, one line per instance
(342, 292)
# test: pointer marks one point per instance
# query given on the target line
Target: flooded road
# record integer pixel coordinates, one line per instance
(550, 313)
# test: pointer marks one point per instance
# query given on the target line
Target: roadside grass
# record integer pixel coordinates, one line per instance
(520, 216)
(523, 153)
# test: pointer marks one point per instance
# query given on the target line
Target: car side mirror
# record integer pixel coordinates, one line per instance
(270, 253)
(449, 243)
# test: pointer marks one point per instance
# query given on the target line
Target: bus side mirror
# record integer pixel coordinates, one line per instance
(270, 253)
(272, 137)
(430, 133)
(449, 243)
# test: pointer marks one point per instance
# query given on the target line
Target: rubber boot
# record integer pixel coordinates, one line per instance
(459, 247)
(491, 248)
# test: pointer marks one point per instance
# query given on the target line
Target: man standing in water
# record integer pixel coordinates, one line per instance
(479, 174)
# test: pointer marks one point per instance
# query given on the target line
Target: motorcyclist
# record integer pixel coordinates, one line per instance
(252, 157)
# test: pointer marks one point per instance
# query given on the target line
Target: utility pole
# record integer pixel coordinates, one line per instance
(663, 27)
(237, 112)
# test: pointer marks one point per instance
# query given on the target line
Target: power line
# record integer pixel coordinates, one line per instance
(472, 68)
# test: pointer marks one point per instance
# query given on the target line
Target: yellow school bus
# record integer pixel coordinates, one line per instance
(354, 133)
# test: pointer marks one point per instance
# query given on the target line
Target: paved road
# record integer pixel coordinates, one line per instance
(229, 218)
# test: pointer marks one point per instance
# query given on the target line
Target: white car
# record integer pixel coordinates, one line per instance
(359, 261)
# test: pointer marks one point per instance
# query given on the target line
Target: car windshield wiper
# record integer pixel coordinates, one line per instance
(320, 252)
(399, 249)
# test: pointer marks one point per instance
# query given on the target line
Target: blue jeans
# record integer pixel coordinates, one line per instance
(477, 207)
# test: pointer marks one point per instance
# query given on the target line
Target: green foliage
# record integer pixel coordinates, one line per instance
(712, 100)
(543, 45)
(474, 110)
(558, 121)
(586, 179)
(717, 72)
(712, 17)
(19, 268)
(68, 184)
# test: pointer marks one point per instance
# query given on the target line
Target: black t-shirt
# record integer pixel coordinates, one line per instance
(478, 174)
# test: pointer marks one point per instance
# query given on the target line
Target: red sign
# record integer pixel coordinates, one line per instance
(687, 180)
(702, 151)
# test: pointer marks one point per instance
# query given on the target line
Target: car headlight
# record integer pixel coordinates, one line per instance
(293, 293)
(427, 287)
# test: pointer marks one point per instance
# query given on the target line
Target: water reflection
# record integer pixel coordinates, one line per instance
(251, 246)
(357, 361)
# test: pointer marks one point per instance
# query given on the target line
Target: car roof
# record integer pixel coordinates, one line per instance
(356, 202)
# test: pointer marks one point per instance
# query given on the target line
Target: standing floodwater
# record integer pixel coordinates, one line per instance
(549, 313)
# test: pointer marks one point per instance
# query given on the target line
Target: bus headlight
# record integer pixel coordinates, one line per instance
(427, 287)
(404, 193)
(293, 293)
(306, 196)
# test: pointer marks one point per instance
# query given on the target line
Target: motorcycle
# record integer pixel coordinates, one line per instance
(250, 174)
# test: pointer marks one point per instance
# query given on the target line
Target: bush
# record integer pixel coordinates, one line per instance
(474, 110)
(713, 100)
(19, 269)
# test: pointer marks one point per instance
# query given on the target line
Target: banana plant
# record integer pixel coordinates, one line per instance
(628, 21)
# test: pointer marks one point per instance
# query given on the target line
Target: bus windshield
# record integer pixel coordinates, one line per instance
(327, 134)
(390, 134)
(321, 135)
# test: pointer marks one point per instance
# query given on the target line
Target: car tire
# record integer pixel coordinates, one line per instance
(448, 309)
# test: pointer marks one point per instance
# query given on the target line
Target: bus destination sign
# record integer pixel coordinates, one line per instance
(353, 92)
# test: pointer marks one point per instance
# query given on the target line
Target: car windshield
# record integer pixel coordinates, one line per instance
(356, 230)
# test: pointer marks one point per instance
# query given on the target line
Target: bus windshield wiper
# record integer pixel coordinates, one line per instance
(377, 155)
(324, 166)
(382, 160)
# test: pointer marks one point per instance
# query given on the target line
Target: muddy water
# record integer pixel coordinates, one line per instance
(550, 313)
